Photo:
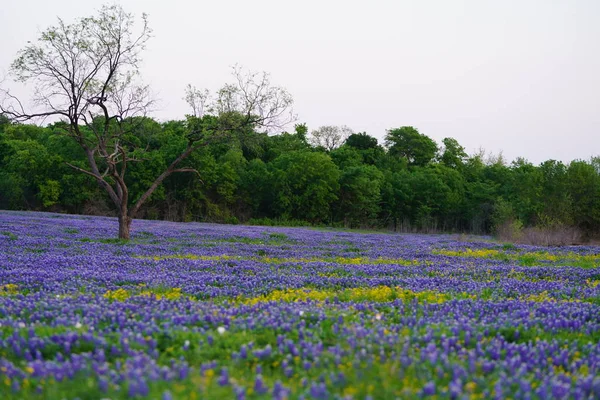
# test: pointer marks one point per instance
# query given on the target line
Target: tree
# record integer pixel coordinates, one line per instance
(4, 122)
(555, 192)
(454, 154)
(525, 191)
(395, 195)
(301, 130)
(367, 146)
(428, 201)
(330, 137)
(197, 99)
(346, 156)
(248, 102)
(305, 184)
(255, 187)
(285, 142)
(361, 141)
(360, 195)
(584, 191)
(87, 74)
(28, 176)
(406, 142)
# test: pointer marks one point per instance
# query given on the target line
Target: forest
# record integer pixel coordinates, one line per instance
(330, 176)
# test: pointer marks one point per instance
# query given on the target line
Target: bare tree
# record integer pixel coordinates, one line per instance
(489, 158)
(251, 96)
(87, 75)
(197, 99)
(330, 137)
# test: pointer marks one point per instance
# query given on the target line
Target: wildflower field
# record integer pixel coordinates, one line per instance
(201, 311)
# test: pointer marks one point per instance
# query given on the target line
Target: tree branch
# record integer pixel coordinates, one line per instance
(99, 177)
(172, 168)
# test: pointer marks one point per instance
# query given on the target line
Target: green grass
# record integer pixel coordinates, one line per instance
(278, 236)
(353, 249)
(526, 259)
(509, 247)
(10, 235)
(380, 379)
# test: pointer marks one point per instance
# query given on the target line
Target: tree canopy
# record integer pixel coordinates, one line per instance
(253, 177)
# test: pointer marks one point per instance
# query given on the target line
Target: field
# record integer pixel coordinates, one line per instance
(200, 311)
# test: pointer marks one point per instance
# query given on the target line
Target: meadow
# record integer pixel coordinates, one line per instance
(202, 311)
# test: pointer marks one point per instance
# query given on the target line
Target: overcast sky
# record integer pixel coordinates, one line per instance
(522, 77)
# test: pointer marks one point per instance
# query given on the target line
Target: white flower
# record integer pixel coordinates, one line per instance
(21, 324)
(78, 325)
(186, 343)
(378, 317)
(301, 313)
(221, 330)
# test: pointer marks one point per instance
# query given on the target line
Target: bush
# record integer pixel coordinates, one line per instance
(560, 235)
(552, 236)
(509, 231)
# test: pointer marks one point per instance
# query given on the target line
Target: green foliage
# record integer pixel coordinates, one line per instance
(306, 184)
(9, 235)
(505, 223)
(49, 192)
(454, 155)
(584, 187)
(406, 142)
(346, 157)
(361, 141)
(395, 193)
(280, 180)
(255, 187)
(360, 193)
(286, 142)
(555, 193)
(510, 247)
(4, 122)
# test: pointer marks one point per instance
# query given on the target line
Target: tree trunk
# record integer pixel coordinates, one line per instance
(124, 225)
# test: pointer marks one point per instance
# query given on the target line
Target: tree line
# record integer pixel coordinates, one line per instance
(299, 178)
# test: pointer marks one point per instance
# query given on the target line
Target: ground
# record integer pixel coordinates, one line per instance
(215, 311)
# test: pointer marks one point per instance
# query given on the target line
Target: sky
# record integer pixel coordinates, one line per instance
(517, 77)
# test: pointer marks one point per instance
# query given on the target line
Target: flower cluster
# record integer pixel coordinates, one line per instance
(193, 311)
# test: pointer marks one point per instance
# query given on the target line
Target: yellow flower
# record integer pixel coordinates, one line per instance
(118, 295)
(471, 386)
